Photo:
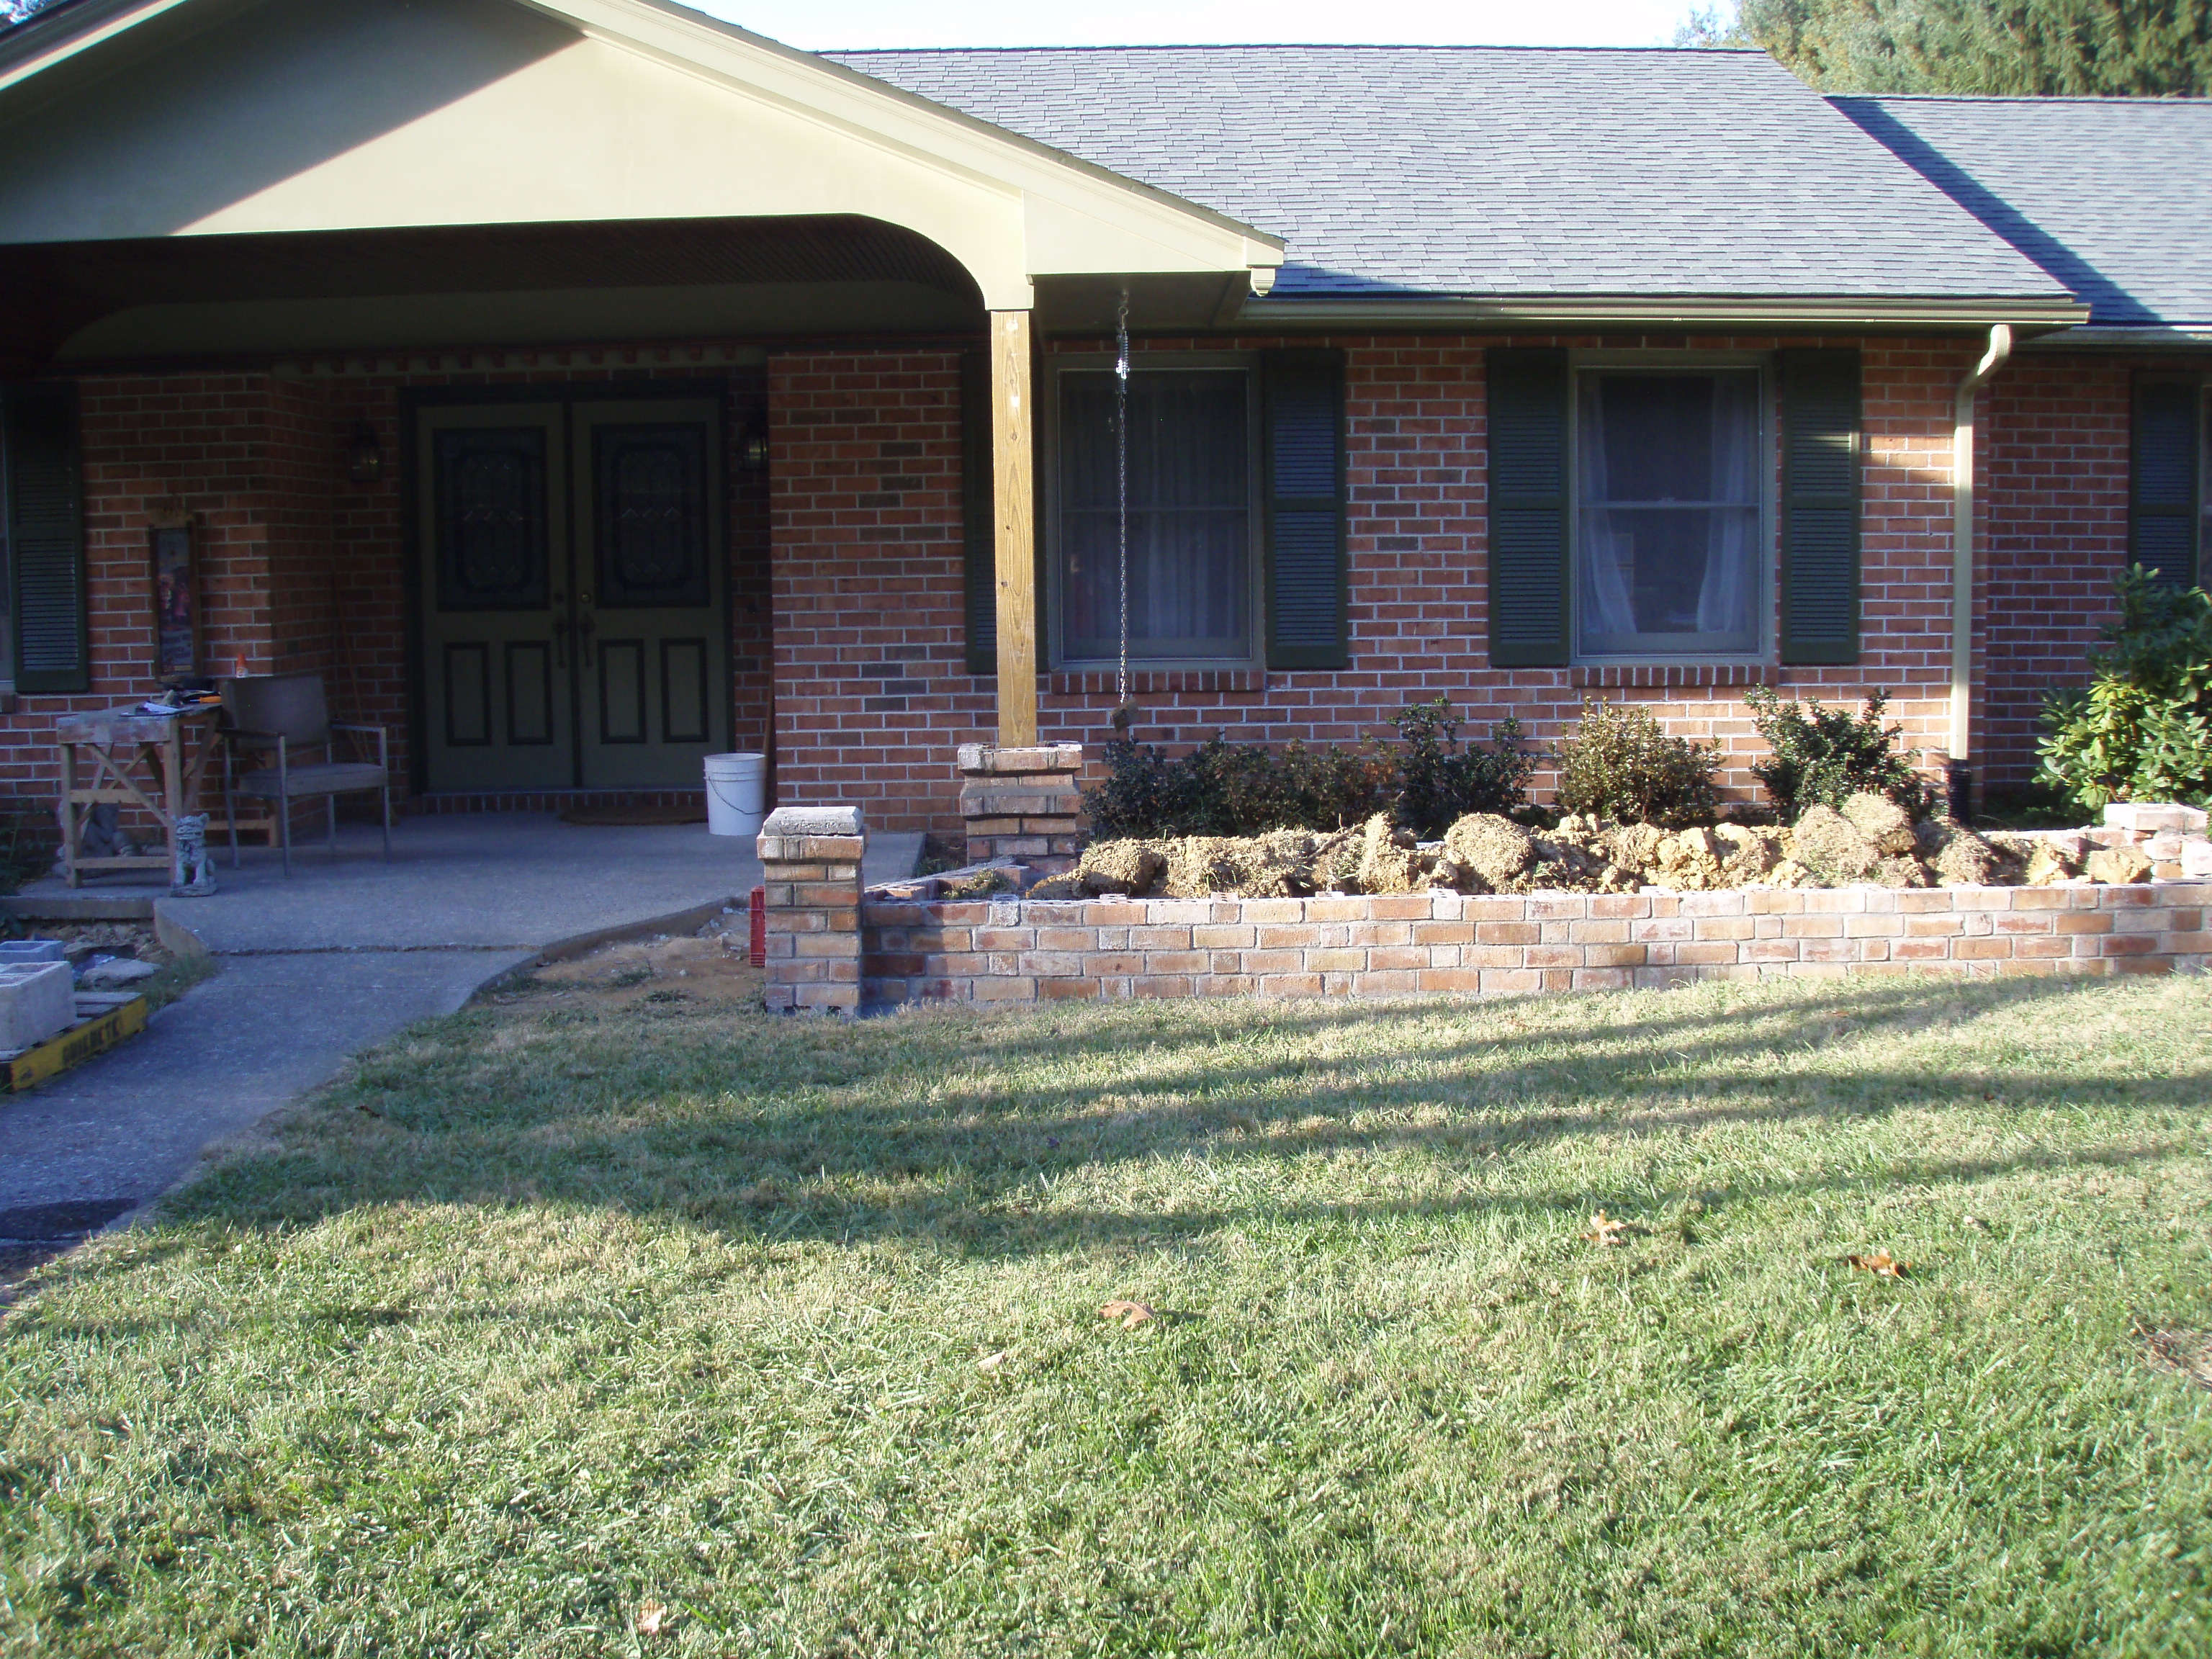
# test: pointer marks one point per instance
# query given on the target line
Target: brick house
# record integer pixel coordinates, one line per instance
(585, 387)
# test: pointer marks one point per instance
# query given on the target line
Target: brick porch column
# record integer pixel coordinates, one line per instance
(810, 871)
(1022, 804)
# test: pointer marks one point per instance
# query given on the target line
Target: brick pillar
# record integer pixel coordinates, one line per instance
(810, 871)
(1022, 804)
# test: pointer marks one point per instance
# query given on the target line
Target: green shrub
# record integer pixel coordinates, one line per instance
(1825, 757)
(1223, 788)
(2142, 728)
(1622, 765)
(1439, 781)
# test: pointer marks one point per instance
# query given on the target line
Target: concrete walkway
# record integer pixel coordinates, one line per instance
(346, 952)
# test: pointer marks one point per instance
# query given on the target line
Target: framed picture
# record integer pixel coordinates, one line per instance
(176, 604)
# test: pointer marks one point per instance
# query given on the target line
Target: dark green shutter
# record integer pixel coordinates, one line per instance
(46, 538)
(1302, 394)
(1820, 506)
(978, 516)
(2164, 488)
(1528, 420)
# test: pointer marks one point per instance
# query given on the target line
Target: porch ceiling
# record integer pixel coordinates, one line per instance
(440, 285)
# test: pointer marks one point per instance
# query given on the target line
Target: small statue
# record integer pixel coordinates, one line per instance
(194, 874)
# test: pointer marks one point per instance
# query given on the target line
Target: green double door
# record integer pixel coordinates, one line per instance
(572, 584)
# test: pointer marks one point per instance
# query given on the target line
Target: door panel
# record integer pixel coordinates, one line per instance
(530, 693)
(685, 688)
(467, 688)
(621, 692)
(651, 591)
(493, 546)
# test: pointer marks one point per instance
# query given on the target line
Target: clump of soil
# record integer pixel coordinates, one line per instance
(712, 967)
(1870, 839)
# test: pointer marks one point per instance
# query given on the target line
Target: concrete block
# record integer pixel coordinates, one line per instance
(15, 952)
(36, 1000)
(797, 822)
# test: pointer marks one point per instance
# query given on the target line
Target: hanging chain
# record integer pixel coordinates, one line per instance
(1121, 476)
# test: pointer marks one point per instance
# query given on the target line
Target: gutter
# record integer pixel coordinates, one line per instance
(1961, 776)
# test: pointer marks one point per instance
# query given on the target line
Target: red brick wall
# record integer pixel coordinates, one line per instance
(226, 449)
(873, 696)
(2055, 533)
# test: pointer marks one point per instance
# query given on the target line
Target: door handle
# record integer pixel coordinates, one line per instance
(560, 645)
(584, 630)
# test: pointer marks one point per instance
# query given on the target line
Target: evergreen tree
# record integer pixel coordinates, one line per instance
(2127, 48)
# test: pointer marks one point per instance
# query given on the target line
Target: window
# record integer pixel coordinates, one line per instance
(1191, 519)
(1670, 542)
(2197, 570)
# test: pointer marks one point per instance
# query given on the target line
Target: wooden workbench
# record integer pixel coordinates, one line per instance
(108, 757)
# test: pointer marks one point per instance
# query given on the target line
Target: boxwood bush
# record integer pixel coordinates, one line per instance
(1424, 780)
(1822, 756)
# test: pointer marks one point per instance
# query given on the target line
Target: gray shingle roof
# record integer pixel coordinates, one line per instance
(1497, 171)
(2111, 196)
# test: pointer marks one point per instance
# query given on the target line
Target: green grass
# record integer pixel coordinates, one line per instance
(546, 1314)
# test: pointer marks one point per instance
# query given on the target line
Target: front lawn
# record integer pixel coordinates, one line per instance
(562, 1328)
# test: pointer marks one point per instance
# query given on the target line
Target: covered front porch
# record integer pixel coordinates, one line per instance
(510, 454)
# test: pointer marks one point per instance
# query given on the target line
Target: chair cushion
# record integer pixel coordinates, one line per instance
(323, 778)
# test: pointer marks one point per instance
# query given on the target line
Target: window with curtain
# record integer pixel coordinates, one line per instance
(1669, 535)
(1190, 517)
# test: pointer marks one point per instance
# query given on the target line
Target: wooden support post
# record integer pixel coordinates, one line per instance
(1013, 492)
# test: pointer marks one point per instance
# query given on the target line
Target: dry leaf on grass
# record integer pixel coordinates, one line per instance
(1604, 1230)
(1881, 1264)
(1131, 1313)
(991, 1362)
(651, 1619)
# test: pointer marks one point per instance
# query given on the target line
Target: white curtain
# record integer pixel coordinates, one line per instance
(1608, 557)
(1725, 598)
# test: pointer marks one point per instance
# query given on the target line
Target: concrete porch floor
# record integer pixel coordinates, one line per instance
(510, 881)
(346, 951)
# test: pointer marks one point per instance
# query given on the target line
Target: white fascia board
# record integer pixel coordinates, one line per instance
(1078, 214)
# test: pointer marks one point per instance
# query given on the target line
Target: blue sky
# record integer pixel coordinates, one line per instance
(818, 25)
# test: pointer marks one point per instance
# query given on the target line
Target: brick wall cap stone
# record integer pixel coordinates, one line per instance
(2148, 816)
(796, 823)
(988, 760)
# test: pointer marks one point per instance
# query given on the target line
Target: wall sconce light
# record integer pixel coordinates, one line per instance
(364, 455)
(753, 450)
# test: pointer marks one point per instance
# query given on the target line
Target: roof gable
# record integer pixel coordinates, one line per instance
(328, 115)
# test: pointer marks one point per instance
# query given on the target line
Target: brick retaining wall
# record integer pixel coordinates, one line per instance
(1021, 951)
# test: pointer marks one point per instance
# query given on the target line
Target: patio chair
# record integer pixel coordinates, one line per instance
(286, 712)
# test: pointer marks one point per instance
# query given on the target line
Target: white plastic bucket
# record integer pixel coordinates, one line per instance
(737, 794)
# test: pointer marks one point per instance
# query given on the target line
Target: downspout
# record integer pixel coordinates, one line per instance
(1960, 771)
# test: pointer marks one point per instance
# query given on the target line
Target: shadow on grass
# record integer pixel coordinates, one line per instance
(954, 1128)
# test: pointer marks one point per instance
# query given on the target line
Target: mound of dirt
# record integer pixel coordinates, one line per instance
(1870, 839)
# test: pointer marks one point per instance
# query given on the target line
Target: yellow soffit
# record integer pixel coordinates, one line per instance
(602, 110)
